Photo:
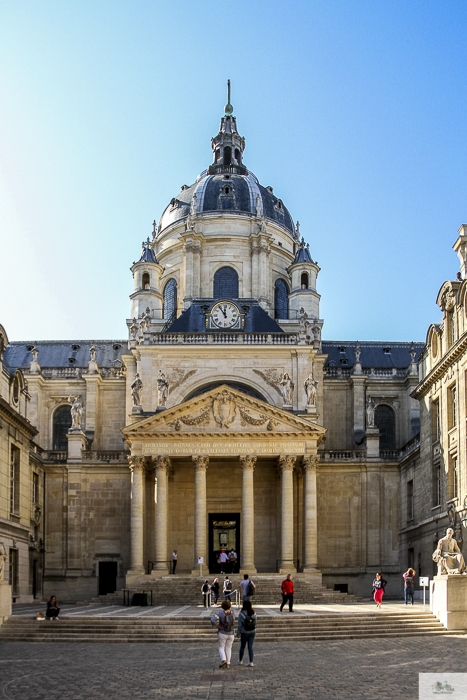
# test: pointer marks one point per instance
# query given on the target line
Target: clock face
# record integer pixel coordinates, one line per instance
(225, 315)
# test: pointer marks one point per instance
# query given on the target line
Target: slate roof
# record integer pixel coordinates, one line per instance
(302, 254)
(58, 353)
(373, 354)
(147, 255)
(193, 320)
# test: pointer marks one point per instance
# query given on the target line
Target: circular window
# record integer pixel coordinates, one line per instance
(434, 345)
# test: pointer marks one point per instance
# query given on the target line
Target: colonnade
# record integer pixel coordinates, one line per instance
(286, 465)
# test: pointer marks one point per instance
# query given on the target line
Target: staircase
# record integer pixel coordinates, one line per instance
(186, 590)
(280, 628)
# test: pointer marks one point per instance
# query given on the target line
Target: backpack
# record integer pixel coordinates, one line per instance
(228, 585)
(249, 623)
(205, 588)
(232, 557)
(215, 621)
(251, 589)
(227, 623)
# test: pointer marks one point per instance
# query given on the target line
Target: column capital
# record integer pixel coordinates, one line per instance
(287, 462)
(310, 462)
(248, 462)
(200, 463)
(161, 462)
(136, 462)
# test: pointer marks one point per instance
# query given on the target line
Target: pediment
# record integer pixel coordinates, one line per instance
(224, 412)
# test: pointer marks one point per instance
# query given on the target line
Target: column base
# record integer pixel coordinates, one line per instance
(250, 570)
(288, 570)
(313, 575)
(159, 573)
(5, 601)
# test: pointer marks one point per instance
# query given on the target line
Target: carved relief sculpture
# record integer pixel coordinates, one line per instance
(448, 556)
(76, 412)
(224, 409)
(137, 390)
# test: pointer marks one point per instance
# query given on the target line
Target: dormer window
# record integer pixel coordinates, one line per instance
(387, 351)
(279, 204)
(269, 189)
(72, 360)
(75, 347)
(226, 190)
(342, 349)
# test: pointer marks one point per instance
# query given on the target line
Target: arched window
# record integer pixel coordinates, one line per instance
(146, 280)
(238, 156)
(227, 155)
(226, 284)
(385, 420)
(304, 280)
(170, 298)
(281, 300)
(61, 425)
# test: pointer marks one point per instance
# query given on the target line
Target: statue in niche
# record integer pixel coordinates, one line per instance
(311, 387)
(3, 558)
(162, 388)
(370, 413)
(287, 386)
(76, 411)
(448, 556)
(137, 390)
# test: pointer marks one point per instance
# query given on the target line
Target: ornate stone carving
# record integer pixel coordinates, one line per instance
(302, 320)
(3, 558)
(224, 408)
(178, 376)
(136, 462)
(161, 462)
(76, 412)
(249, 419)
(358, 352)
(448, 556)
(202, 419)
(310, 461)
(134, 329)
(248, 462)
(93, 352)
(370, 413)
(34, 352)
(271, 378)
(200, 462)
(311, 386)
(271, 425)
(162, 389)
(37, 516)
(287, 387)
(287, 462)
(137, 390)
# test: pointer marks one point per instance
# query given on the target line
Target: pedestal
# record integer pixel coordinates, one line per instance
(372, 442)
(448, 600)
(137, 411)
(5, 601)
(76, 443)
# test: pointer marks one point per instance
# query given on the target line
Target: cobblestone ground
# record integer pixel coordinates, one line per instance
(344, 670)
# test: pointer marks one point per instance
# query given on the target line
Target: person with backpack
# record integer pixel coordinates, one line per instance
(232, 560)
(409, 578)
(215, 590)
(225, 633)
(205, 588)
(246, 630)
(247, 588)
(287, 592)
(227, 591)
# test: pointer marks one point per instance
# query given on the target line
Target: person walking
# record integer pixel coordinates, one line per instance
(247, 587)
(174, 560)
(232, 560)
(246, 630)
(227, 588)
(223, 557)
(379, 585)
(215, 590)
(205, 588)
(287, 592)
(53, 609)
(409, 578)
(225, 634)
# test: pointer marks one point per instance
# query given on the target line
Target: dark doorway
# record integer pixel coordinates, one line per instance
(107, 577)
(224, 534)
(34, 578)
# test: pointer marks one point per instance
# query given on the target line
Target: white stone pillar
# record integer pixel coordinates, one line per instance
(248, 516)
(286, 465)
(200, 466)
(310, 518)
(137, 514)
(162, 465)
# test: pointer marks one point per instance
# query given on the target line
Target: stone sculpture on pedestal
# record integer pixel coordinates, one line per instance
(286, 389)
(76, 412)
(137, 390)
(448, 556)
(162, 389)
(311, 386)
(3, 558)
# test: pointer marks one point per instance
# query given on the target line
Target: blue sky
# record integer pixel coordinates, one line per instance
(353, 111)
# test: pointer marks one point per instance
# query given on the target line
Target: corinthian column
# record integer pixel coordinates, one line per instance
(200, 465)
(286, 465)
(137, 514)
(310, 549)
(248, 516)
(161, 465)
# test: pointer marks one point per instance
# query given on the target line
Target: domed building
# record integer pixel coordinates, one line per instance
(224, 422)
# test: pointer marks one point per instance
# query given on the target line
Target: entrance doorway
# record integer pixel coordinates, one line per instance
(224, 534)
(107, 577)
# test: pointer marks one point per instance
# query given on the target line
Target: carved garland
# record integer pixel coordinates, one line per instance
(202, 419)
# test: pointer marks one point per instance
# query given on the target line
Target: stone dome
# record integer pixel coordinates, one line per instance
(229, 192)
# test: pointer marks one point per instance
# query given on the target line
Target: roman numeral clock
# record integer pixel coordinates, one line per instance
(225, 315)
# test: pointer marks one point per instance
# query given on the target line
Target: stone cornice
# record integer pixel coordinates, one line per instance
(454, 353)
(16, 419)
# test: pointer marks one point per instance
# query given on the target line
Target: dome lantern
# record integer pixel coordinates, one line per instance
(228, 145)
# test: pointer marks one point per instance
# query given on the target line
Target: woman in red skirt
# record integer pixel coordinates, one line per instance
(378, 589)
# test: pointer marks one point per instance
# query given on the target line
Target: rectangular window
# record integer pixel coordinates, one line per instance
(410, 500)
(14, 480)
(435, 426)
(436, 485)
(453, 477)
(35, 487)
(452, 407)
(13, 573)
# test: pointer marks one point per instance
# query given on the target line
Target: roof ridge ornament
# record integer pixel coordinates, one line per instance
(228, 109)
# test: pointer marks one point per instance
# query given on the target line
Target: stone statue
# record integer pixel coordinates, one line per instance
(147, 317)
(162, 388)
(34, 352)
(448, 556)
(370, 413)
(311, 386)
(358, 352)
(302, 319)
(93, 352)
(194, 205)
(137, 390)
(287, 386)
(189, 225)
(413, 352)
(3, 558)
(134, 328)
(76, 411)
(258, 205)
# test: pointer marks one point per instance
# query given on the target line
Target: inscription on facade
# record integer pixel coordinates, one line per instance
(232, 447)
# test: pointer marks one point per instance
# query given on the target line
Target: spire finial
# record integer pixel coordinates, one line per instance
(228, 109)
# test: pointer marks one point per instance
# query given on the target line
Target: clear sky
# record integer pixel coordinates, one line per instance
(353, 110)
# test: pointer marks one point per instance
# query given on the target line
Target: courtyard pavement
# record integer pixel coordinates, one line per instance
(381, 669)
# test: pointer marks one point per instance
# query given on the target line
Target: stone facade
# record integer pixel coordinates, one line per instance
(199, 425)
